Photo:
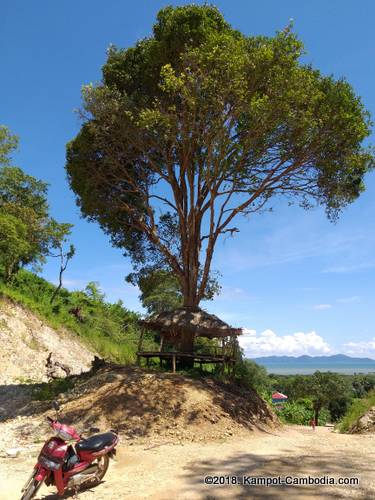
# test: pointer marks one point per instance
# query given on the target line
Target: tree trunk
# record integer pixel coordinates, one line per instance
(190, 283)
(190, 252)
(9, 271)
(56, 291)
(187, 342)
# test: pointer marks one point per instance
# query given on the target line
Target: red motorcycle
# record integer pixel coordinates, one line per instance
(69, 460)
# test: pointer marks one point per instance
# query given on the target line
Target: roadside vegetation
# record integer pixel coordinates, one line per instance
(110, 329)
(341, 398)
(357, 408)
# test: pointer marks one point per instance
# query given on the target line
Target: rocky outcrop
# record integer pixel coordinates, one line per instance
(26, 343)
(366, 423)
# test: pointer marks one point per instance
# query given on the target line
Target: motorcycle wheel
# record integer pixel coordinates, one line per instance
(32, 488)
(103, 463)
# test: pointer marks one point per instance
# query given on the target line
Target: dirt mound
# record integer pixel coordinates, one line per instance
(364, 424)
(26, 342)
(143, 405)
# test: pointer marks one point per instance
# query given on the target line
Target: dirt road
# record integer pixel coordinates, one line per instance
(176, 471)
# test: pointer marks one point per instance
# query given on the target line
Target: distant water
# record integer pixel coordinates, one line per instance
(337, 368)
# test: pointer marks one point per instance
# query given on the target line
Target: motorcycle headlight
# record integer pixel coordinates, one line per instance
(65, 436)
(48, 463)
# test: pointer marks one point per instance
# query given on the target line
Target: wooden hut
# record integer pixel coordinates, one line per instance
(178, 329)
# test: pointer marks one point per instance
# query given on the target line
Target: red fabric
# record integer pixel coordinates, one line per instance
(278, 395)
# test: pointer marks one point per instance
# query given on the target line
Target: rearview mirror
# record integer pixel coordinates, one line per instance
(56, 405)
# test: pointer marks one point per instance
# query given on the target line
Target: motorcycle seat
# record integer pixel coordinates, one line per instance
(96, 442)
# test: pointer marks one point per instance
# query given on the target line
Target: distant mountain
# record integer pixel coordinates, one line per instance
(313, 360)
(308, 364)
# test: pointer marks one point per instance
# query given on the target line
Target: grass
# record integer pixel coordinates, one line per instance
(358, 408)
(109, 329)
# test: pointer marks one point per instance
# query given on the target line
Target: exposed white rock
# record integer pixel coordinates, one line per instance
(25, 343)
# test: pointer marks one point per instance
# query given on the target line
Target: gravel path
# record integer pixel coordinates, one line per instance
(176, 471)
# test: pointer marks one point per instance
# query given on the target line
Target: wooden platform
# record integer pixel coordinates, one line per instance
(200, 358)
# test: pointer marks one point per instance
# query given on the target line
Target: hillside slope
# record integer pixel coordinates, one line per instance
(108, 328)
(144, 405)
(26, 342)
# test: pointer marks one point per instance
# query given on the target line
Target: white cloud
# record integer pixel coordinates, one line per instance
(247, 331)
(322, 307)
(349, 300)
(362, 348)
(268, 343)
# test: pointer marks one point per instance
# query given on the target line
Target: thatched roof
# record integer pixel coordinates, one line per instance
(183, 319)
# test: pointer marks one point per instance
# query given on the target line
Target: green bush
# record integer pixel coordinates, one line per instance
(50, 390)
(301, 412)
(248, 374)
(356, 410)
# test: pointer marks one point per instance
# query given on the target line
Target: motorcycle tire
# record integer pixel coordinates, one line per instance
(103, 467)
(32, 489)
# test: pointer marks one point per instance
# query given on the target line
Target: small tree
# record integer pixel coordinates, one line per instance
(93, 291)
(325, 388)
(65, 257)
(199, 124)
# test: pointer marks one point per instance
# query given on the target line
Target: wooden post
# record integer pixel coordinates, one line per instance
(141, 339)
(161, 343)
(174, 363)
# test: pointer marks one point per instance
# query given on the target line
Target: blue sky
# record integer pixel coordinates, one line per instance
(297, 283)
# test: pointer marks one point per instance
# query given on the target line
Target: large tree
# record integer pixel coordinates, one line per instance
(198, 124)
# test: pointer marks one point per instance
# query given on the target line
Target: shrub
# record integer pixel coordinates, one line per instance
(248, 374)
(301, 412)
(358, 408)
(50, 390)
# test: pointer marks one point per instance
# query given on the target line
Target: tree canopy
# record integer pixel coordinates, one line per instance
(198, 124)
(8, 143)
(27, 231)
(326, 390)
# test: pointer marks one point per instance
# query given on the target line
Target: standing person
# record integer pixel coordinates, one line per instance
(312, 423)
